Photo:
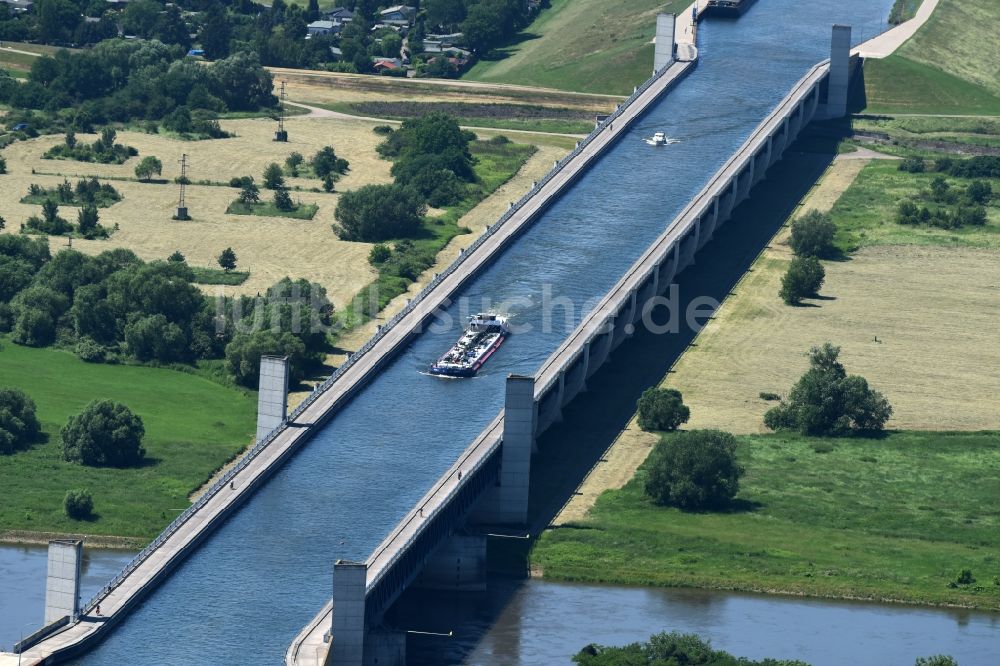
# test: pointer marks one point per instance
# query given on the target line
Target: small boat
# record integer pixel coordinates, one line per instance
(483, 336)
(661, 139)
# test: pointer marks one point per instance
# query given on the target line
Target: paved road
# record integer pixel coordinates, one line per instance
(890, 40)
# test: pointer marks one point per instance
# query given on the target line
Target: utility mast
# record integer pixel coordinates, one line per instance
(281, 134)
(182, 211)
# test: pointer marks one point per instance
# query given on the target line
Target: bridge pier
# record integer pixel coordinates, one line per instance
(272, 395)
(458, 565)
(348, 631)
(62, 584)
(840, 72)
(507, 503)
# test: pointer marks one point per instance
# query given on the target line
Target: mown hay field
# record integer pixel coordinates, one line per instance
(269, 247)
(932, 309)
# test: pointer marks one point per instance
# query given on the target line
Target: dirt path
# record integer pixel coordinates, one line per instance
(630, 448)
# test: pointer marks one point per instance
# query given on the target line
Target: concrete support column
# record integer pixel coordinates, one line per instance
(656, 279)
(663, 51)
(459, 565)
(62, 584)
(348, 631)
(840, 72)
(507, 503)
(272, 396)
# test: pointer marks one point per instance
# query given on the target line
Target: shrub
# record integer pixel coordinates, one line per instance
(19, 426)
(662, 409)
(383, 130)
(240, 181)
(104, 434)
(155, 338)
(828, 401)
(34, 327)
(694, 470)
(90, 351)
(936, 660)
(803, 278)
(244, 352)
(325, 163)
(766, 395)
(78, 504)
(979, 192)
(965, 577)
(912, 165)
(283, 200)
(812, 235)
(822, 447)
(379, 254)
(292, 164)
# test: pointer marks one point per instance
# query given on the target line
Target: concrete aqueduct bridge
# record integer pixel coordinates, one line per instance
(154, 563)
(438, 544)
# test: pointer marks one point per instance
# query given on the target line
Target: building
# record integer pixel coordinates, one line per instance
(401, 15)
(19, 6)
(321, 28)
(339, 15)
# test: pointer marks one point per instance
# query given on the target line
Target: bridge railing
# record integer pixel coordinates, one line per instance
(382, 331)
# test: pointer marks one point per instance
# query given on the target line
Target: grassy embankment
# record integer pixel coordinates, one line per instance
(948, 67)
(495, 164)
(888, 519)
(583, 45)
(193, 427)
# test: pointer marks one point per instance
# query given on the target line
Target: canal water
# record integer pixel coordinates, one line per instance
(538, 622)
(254, 584)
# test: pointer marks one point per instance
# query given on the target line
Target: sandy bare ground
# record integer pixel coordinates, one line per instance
(270, 248)
(933, 310)
(331, 87)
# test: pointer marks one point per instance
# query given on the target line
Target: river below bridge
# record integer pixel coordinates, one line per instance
(249, 589)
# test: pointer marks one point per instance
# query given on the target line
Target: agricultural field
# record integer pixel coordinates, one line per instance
(508, 107)
(947, 67)
(583, 45)
(268, 247)
(891, 519)
(193, 427)
(940, 339)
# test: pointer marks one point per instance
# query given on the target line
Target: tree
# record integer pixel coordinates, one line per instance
(669, 649)
(88, 221)
(15, 275)
(374, 213)
(979, 192)
(694, 470)
(57, 20)
(662, 409)
(249, 193)
(154, 338)
(214, 35)
(283, 200)
(34, 328)
(273, 178)
(327, 187)
(227, 259)
(177, 257)
(244, 352)
(936, 660)
(19, 426)
(812, 235)
(148, 167)
(325, 163)
(803, 278)
(828, 401)
(78, 504)
(104, 434)
(293, 162)
(70, 139)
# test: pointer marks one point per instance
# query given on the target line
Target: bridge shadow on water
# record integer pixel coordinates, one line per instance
(569, 449)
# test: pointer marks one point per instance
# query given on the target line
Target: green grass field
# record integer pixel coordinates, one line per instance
(581, 45)
(889, 519)
(948, 66)
(193, 427)
(865, 213)
(218, 276)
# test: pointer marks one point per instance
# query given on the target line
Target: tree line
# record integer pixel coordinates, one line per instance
(116, 307)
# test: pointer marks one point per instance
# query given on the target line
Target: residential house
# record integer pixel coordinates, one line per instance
(339, 15)
(19, 6)
(320, 28)
(380, 64)
(401, 15)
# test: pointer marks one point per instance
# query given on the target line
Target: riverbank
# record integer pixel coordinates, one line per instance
(890, 520)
